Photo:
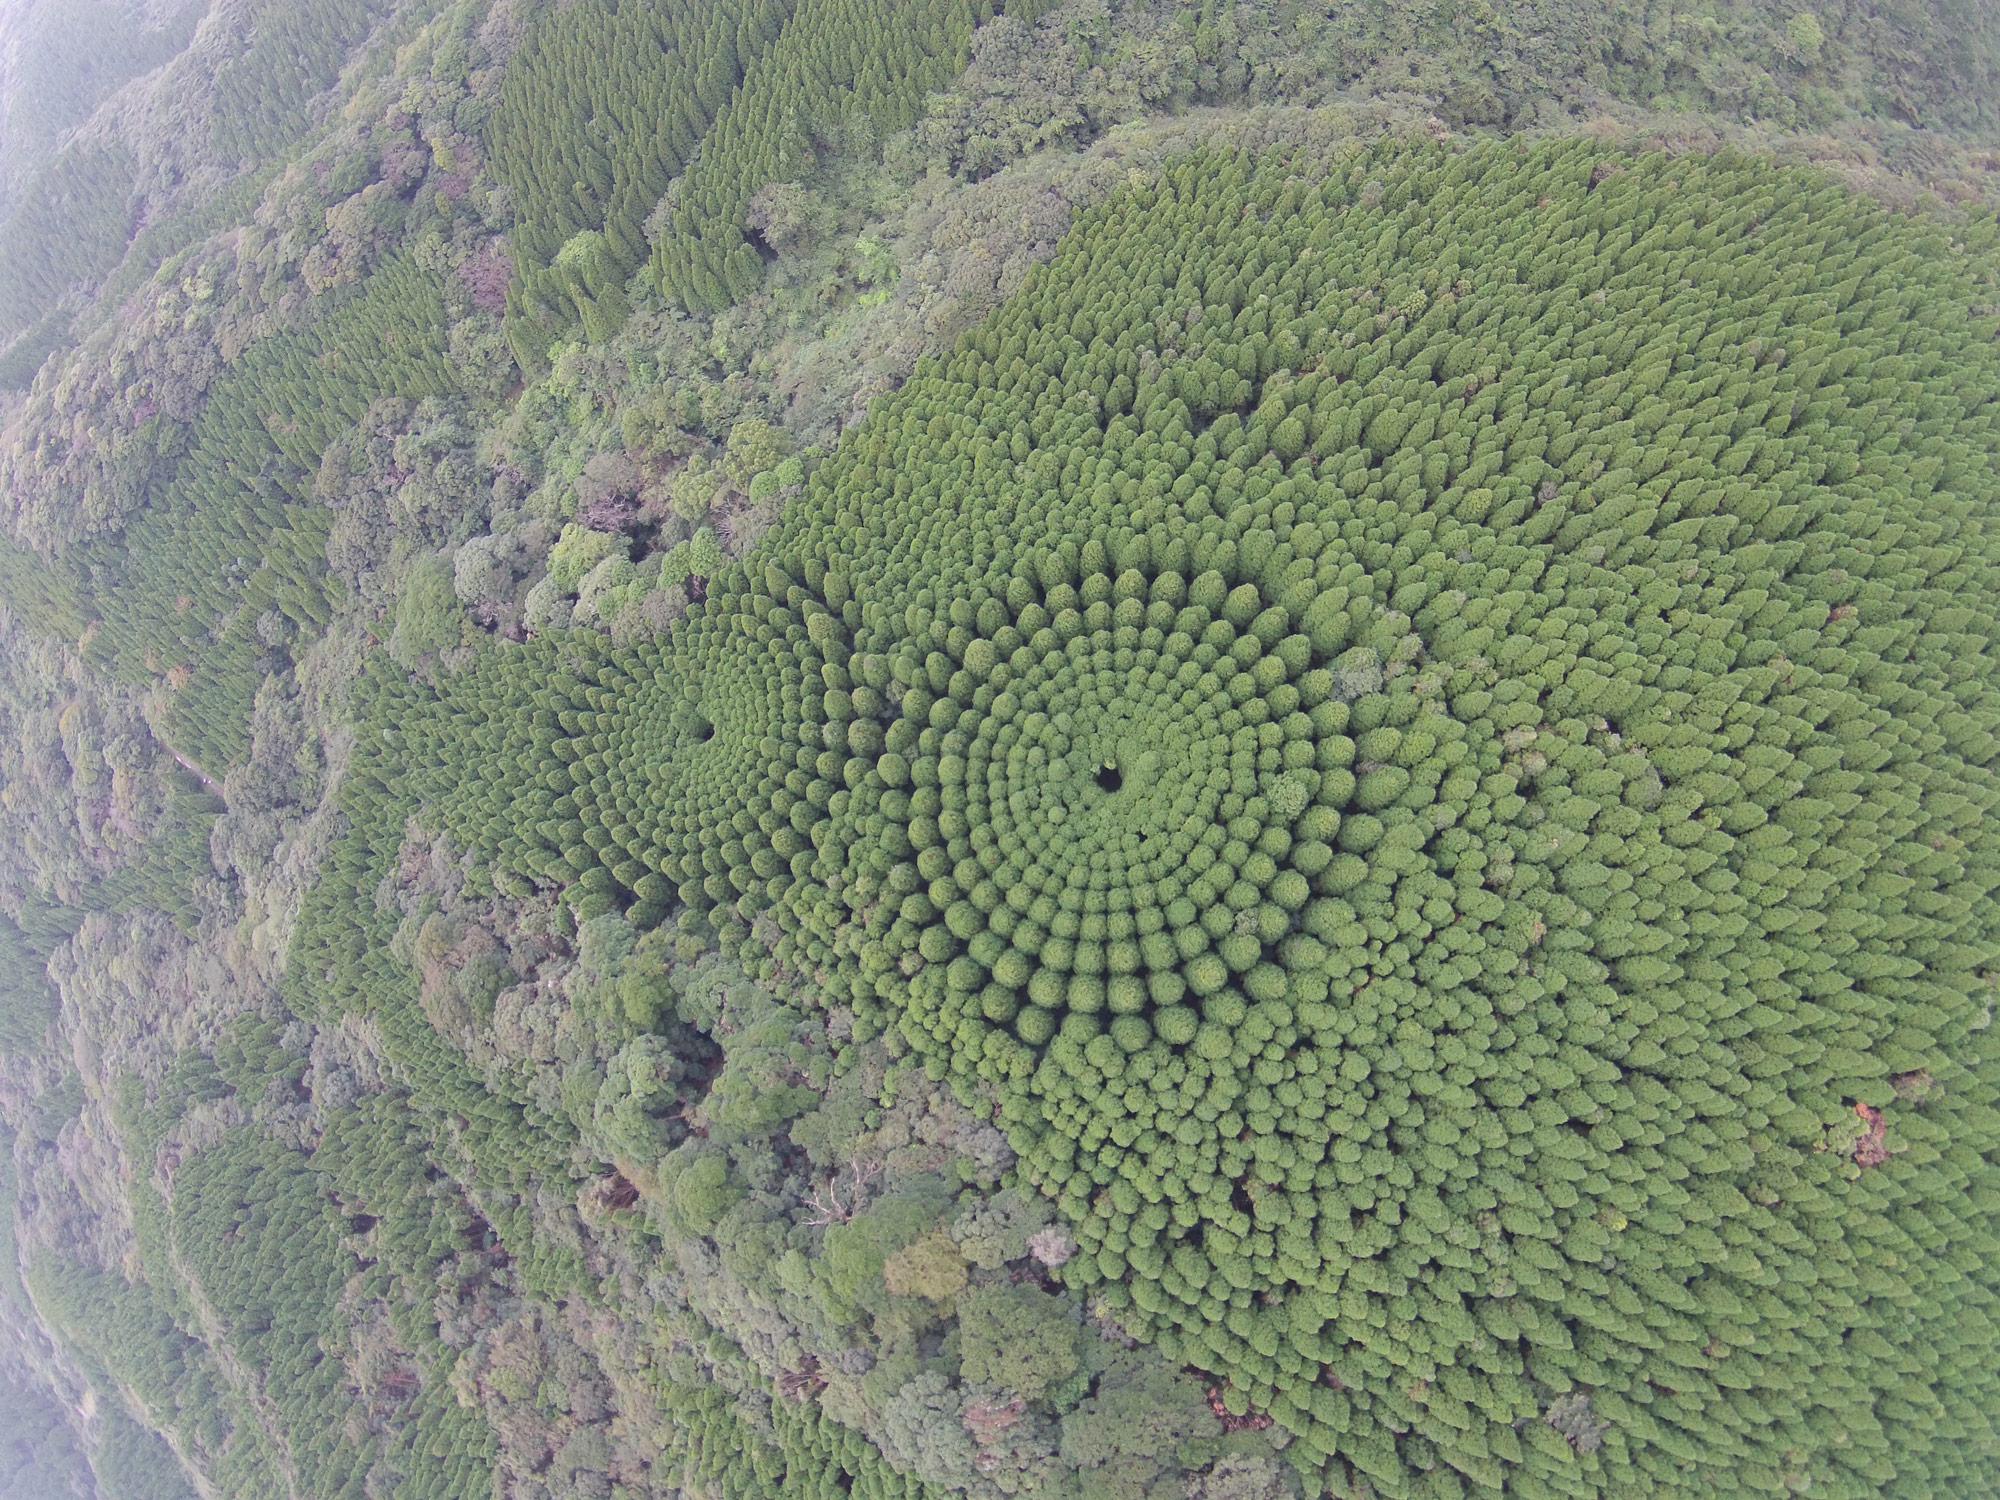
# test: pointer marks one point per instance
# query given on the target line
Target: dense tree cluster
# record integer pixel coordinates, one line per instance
(75, 218)
(603, 106)
(26, 1005)
(69, 229)
(229, 562)
(316, 1274)
(47, 600)
(1086, 68)
(1345, 854)
(253, 1224)
(68, 59)
(124, 1326)
(600, 109)
(841, 69)
(1428, 736)
(290, 54)
(515, 1141)
(106, 820)
(39, 1455)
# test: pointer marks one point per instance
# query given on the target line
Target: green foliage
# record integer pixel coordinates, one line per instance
(806, 1455)
(753, 447)
(997, 1229)
(21, 359)
(924, 1431)
(27, 1004)
(69, 229)
(930, 1267)
(1804, 32)
(857, 1250)
(174, 232)
(207, 585)
(1015, 1337)
(1128, 1432)
(1416, 730)
(294, 52)
(599, 109)
(133, 1463)
(124, 1333)
(70, 57)
(764, 1082)
(262, 1232)
(1424, 734)
(602, 110)
(428, 619)
(1088, 69)
(700, 556)
(842, 71)
(575, 553)
(695, 488)
(44, 599)
(700, 1188)
(640, 1103)
(39, 1453)
(644, 992)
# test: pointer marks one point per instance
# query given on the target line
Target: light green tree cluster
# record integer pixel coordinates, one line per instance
(1428, 740)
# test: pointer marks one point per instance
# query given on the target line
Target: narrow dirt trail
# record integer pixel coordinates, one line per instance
(192, 769)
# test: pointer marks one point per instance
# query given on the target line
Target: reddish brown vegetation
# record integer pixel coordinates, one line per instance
(797, 1385)
(1873, 1148)
(1255, 1421)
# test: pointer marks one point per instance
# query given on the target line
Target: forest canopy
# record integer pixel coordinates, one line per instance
(942, 751)
(1376, 714)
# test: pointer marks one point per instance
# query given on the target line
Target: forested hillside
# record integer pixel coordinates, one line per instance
(1117, 749)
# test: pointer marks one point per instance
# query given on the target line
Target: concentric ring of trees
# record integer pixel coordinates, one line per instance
(1426, 737)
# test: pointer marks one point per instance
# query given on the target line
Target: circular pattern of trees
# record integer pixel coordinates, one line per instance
(1427, 734)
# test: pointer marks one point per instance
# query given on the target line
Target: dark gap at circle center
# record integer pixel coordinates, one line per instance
(1109, 778)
